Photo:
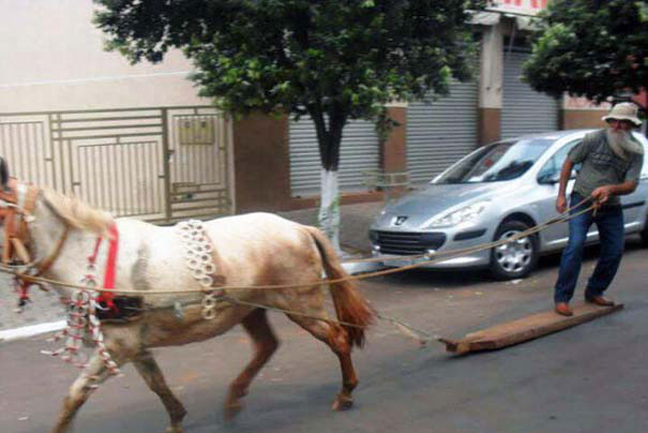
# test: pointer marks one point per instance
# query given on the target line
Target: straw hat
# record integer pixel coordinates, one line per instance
(624, 111)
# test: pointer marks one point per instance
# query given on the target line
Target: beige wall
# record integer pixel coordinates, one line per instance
(53, 59)
(491, 82)
(579, 112)
(576, 119)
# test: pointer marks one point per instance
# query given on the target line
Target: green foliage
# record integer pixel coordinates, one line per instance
(592, 48)
(334, 60)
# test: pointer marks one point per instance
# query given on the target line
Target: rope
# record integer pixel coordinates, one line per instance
(420, 336)
(430, 258)
(532, 230)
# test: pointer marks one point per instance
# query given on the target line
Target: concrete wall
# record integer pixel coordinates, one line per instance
(53, 59)
(578, 112)
(491, 76)
(394, 149)
(576, 119)
(261, 163)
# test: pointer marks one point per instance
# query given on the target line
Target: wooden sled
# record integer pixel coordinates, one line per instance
(525, 329)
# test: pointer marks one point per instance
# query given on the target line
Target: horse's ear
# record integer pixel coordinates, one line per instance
(4, 173)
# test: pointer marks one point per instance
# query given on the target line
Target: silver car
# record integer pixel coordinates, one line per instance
(495, 192)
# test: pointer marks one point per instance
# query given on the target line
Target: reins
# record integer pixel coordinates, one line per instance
(420, 336)
(17, 237)
(429, 258)
(532, 230)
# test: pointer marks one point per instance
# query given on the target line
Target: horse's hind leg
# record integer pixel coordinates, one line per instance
(337, 339)
(265, 344)
(152, 375)
(92, 376)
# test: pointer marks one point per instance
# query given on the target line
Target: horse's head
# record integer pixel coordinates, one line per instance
(15, 211)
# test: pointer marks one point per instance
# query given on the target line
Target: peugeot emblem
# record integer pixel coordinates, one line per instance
(399, 220)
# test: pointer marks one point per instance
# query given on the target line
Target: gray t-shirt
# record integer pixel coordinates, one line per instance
(601, 166)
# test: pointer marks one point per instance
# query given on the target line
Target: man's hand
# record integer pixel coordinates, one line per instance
(601, 194)
(561, 204)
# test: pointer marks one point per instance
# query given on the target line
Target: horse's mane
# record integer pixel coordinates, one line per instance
(76, 213)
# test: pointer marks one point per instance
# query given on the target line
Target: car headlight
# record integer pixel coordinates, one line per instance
(464, 215)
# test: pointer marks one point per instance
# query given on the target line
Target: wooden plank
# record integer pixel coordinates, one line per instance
(525, 329)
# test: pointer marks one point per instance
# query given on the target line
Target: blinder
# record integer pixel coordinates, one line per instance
(14, 218)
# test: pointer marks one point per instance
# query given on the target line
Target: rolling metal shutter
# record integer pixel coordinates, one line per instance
(524, 111)
(442, 133)
(359, 153)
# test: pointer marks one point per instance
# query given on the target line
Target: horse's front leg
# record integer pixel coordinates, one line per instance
(152, 375)
(93, 375)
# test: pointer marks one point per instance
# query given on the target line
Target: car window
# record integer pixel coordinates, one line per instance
(551, 169)
(496, 162)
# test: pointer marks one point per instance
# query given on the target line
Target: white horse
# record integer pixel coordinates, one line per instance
(253, 250)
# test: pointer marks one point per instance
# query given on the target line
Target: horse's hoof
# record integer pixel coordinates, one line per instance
(231, 410)
(176, 429)
(342, 403)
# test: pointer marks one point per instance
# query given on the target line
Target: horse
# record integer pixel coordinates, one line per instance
(262, 261)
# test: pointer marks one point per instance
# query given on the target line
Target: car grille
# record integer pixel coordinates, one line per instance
(403, 243)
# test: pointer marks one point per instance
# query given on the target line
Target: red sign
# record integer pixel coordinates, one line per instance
(526, 7)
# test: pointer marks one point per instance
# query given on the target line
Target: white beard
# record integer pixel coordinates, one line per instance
(622, 144)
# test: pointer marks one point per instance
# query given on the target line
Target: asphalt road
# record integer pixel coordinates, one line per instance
(591, 378)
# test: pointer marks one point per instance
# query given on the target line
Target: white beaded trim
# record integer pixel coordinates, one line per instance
(198, 257)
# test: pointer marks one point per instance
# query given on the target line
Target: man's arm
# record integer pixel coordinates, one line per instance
(603, 193)
(565, 174)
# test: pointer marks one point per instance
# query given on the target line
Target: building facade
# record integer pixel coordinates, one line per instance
(264, 163)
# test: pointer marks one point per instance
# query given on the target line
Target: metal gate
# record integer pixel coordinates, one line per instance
(441, 133)
(524, 111)
(359, 153)
(158, 164)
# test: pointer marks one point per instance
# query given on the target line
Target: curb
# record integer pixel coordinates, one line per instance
(360, 268)
(31, 331)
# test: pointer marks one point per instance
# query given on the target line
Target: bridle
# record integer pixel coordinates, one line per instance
(15, 215)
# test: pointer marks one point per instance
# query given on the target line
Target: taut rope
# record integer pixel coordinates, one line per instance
(420, 336)
(430, 258)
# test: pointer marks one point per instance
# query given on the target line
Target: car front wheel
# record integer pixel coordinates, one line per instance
(644, 234)
(515, 259)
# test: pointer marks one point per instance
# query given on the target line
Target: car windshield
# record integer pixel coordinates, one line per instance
(497, 162)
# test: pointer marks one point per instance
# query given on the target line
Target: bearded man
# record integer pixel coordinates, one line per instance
(611, 161)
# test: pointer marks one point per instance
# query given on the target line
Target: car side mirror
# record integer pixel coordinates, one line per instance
(552, 178)
(549, 178)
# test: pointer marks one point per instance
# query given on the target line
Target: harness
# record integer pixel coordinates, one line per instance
(15, 249)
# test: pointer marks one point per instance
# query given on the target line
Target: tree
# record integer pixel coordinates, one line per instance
(330, 59)
(592, 48)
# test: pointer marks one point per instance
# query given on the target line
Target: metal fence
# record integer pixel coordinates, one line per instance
(159, 164)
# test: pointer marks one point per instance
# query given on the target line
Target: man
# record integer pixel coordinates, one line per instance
(611, 161)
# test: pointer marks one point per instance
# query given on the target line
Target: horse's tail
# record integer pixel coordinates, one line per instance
(350, 306)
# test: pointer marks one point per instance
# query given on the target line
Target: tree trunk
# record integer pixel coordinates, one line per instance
(329, 138)
(329, 213)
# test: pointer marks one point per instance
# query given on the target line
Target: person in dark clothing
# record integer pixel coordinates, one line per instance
(611, 161)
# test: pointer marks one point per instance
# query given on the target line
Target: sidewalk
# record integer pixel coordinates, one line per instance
(46, 308)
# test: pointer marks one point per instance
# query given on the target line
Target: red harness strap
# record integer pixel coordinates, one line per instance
(111, 268)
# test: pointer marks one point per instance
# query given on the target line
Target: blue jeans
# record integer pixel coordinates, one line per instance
(610, 226)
